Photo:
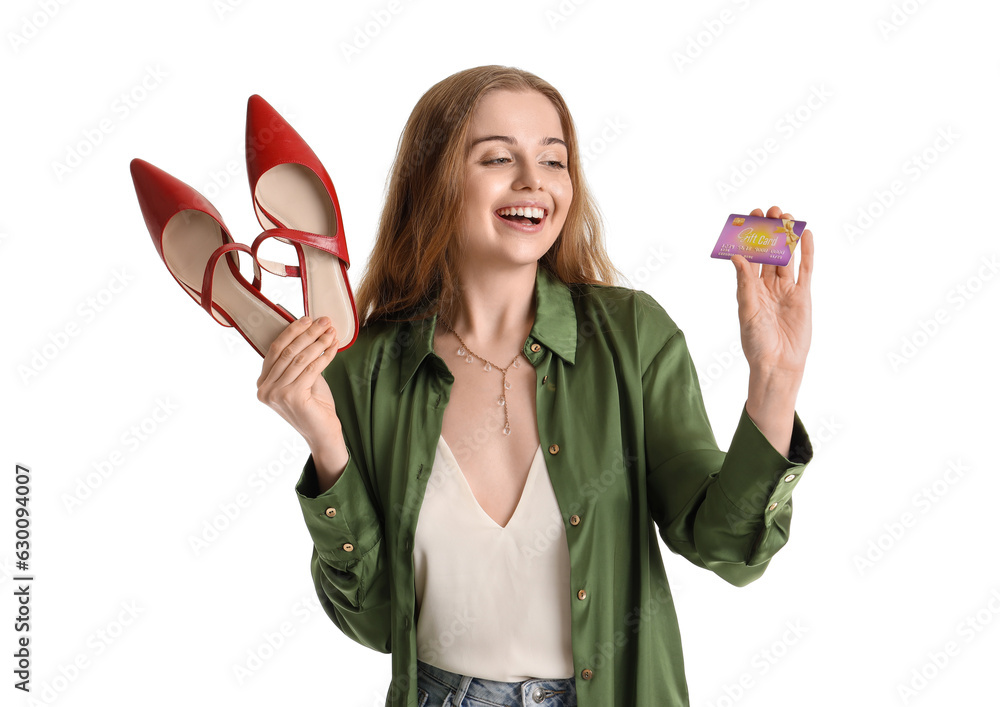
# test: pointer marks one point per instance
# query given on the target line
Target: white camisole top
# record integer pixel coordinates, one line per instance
(492, 602)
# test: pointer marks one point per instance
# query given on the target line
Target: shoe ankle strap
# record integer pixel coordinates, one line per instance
(213, 261)
(328, 244)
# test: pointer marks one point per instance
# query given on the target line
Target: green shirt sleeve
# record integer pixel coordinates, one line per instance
(349, 561)
(728, 512)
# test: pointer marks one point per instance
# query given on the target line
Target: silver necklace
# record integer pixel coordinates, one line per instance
(465, 351)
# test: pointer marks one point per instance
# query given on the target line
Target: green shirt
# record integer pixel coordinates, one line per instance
(627, 444)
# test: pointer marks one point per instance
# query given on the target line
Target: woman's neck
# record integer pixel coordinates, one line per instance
(495, 309)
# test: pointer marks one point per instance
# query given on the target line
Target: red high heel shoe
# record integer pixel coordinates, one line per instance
(191, 238)
(294, 199)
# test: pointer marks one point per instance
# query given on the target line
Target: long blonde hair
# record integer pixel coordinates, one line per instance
(413, 267)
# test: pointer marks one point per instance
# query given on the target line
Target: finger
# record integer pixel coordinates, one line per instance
(745, 271)
(774, 212)
(743, 267)
(740, 274)
(769, 274)
(806, 260)
(330, 352)
(784, 272)
(764, 272)
(331, 344)
(289, 333)
(284, 358)
(301, 371)
(294, 354)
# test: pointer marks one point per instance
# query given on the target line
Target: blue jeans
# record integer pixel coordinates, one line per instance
(440, 688)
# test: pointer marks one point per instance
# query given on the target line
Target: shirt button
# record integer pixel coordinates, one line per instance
(574, 519)
(536, 348)
(772, 506)
(553, 449)
(582, 594)
(587, 673)
(348, 547)
(331, 512)
(789, 478)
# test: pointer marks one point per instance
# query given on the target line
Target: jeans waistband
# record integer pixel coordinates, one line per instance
(533, 691)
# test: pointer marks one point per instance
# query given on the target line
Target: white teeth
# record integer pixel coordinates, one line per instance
(529, 211)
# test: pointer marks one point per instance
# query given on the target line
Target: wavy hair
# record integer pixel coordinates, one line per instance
(412, 271)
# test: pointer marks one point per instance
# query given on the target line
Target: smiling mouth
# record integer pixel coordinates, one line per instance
(527, 216)
(522, 219)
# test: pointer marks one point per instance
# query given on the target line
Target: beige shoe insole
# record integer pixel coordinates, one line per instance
(189, 238)
(297, 198)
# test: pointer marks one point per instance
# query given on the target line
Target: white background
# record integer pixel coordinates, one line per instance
(662, 136)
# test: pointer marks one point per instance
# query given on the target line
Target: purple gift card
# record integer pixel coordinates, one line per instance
(759, 239)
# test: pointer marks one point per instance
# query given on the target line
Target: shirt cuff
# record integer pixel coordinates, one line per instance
(342, 522)
(755, 477)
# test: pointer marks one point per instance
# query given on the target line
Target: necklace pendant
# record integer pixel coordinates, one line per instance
(468, 359)
(500, 400)
(506, 385)
(487, 367)
(516, 364)
(506, 430)
(461, 351)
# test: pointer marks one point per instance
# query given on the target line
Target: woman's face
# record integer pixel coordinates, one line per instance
(517, 163)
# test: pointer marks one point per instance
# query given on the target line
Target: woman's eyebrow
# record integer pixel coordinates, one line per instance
(511, 141)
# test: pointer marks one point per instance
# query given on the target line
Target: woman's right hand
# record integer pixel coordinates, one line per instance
(291, 383)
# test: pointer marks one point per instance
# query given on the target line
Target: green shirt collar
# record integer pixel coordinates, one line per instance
(555, 325)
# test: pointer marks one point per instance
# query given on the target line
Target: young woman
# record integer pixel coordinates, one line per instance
(491, 455)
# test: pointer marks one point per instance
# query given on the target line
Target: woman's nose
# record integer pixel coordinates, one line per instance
(528, 175)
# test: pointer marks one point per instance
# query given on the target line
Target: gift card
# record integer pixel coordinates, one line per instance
(759, 239)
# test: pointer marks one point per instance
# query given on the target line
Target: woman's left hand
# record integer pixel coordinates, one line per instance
(775, 311)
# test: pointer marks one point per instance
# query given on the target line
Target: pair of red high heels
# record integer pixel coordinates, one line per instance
(295, 202)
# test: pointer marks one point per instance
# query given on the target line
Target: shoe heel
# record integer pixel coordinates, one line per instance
(291, 189)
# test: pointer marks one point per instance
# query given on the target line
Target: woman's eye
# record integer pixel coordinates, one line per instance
(504, 160)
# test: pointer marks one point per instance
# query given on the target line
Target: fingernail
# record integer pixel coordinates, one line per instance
(323, 321)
